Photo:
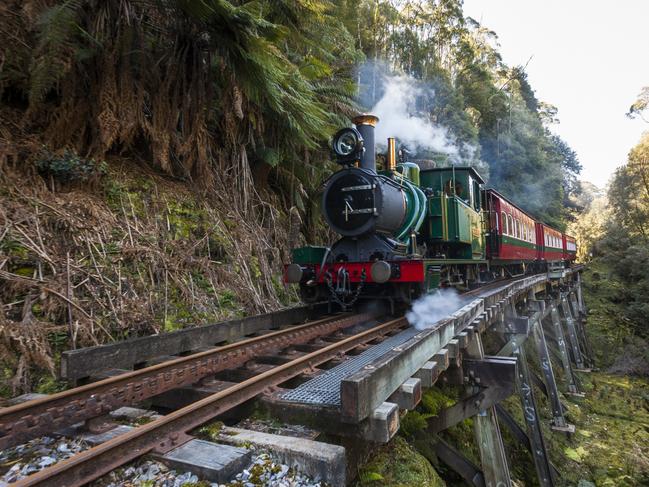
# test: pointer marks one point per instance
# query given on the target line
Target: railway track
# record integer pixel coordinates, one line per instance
(171, 430)
(38, 417)
(31, 419)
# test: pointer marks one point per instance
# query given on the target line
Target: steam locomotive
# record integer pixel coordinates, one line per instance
(407, 231)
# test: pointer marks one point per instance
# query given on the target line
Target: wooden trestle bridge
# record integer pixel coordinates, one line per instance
(346, 374)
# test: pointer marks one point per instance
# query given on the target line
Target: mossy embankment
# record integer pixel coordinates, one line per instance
(610, 446)
(94, 252)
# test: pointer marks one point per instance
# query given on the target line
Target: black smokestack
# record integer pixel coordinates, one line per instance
(365, 125)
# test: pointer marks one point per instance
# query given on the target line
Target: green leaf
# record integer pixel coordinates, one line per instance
(269, 156)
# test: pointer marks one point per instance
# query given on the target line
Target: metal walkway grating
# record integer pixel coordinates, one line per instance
(325, 389)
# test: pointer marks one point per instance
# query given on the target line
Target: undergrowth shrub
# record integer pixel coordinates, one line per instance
(70, 167)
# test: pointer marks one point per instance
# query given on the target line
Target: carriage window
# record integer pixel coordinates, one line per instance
(518, 228)
(511, 225)
(503, 222)
(448, 187)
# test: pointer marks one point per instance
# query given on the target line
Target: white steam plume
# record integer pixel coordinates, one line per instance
(395, 110)
(431, 308)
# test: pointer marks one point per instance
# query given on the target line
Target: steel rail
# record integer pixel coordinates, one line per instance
(31, 419)
(171, 431)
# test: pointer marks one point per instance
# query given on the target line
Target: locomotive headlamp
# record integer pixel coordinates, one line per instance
(381, 271)
(347, 145)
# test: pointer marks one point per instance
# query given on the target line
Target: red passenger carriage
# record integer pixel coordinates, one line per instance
(569, 248)
(512, 235)
(550, 243)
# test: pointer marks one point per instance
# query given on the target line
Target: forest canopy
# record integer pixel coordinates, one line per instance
(215, 91)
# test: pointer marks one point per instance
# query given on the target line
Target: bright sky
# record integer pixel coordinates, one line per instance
(590, 60)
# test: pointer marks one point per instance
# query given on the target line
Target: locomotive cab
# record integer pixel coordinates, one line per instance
(454, 226)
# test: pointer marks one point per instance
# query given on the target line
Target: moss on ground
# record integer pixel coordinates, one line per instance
(211, 431)
(398, 464)
(611, 444)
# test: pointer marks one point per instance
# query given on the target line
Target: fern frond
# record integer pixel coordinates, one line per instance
(54, 54)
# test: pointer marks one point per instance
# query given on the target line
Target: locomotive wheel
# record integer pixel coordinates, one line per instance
(312, 294)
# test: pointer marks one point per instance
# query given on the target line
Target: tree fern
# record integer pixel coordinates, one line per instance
(55, 52)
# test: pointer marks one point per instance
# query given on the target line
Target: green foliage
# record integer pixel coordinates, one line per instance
(435, 399)
(70, 167)
(412, 422)
(591, 219)
(617, 337)
(13, 248)
(212, 431)
(227, 299)
(49, 385)
(201, 88)
(624, 246)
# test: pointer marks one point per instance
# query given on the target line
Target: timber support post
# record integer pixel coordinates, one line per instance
(576, 311)
(580, 297)
(581, 331)
(530, 414)
(558, 420)
(563, 350)
(471, 474)
(482, 396)
(572, 333)
(488, 436)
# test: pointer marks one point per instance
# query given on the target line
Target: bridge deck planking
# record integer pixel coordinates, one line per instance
(363, 391)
